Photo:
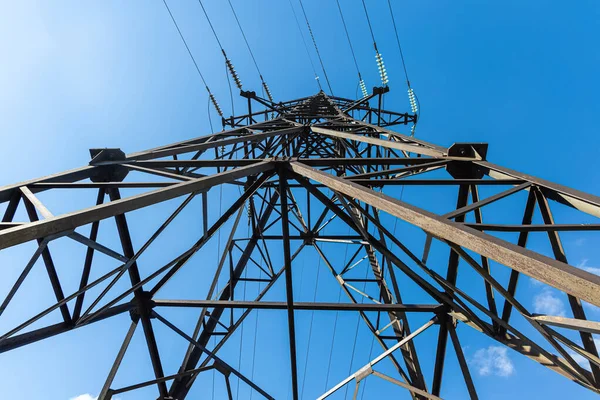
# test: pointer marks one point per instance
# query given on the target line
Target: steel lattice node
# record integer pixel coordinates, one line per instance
(320, 181)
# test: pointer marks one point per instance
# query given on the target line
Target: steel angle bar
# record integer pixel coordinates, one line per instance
(378, 359)
(585, 202)
(569, 323)
(214, 144)
(567, 278)
(210, 354)
(413, 148)
(301, 306)
(13, 236)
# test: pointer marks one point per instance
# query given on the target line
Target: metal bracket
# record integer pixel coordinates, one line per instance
(363, 373)
(106, 171)
(469, 151)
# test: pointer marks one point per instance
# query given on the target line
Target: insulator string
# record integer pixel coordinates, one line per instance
(264, 84)
(378, 57)
(412, 97)
(228, 63)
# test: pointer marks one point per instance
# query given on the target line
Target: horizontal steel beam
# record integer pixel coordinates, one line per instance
(412, 148)
(35, 230)
(282, 305)
(585, 202)
(579, 283)
(569, 323)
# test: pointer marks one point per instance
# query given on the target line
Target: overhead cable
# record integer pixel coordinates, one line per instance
(228, 63)
(312, 36)
(210, 95)
(363, 87)
(264, 84)
(412, 98)
(378, 57)
(305, 45)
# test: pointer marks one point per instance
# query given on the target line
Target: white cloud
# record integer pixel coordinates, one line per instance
(583, 263)
(86, 396)
(493, 361)
(547, 303)
(535, 282)
(592, 270)
(579, 359)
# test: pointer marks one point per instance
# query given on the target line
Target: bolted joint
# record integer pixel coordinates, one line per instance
(108, 165)
(142, 305)
(221, 368)
(364, 373)
(309, 238)
(470, 152)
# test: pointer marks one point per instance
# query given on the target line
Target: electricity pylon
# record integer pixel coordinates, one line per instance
(303, 173)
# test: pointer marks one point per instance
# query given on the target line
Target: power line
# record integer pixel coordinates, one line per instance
(360, 80)
(228, 62)
(244, 36)
(186, 45)
(210, 95)
(210, 24)
(412, 97)
(305, 45)
(398, 41)
(378, 57)
(370, 27)
(348, 37)
(312, 36)
(264, 84)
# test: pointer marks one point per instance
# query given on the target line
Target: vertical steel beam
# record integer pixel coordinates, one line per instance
(289, 291)
(180, 386)
(139, 295)
(514, 274)
(440, 355)
(462, 361)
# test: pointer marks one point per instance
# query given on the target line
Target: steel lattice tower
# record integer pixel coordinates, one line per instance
(302, 169)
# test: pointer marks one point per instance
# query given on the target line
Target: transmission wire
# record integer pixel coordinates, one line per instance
(245, 39)
(348, 37)
(418, 103)
(312, 36)
(209, 119)
(399, 45)
(211, 25)
(228, 65)
(305, 45)
(370, 27)
(186, 45)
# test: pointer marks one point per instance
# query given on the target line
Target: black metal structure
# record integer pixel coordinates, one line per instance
(301, 168)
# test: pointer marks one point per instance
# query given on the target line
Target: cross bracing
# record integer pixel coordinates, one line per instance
(320, 185)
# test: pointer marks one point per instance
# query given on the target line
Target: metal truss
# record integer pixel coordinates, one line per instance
(300, 168)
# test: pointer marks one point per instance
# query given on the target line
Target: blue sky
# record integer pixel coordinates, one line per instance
(76, 75)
